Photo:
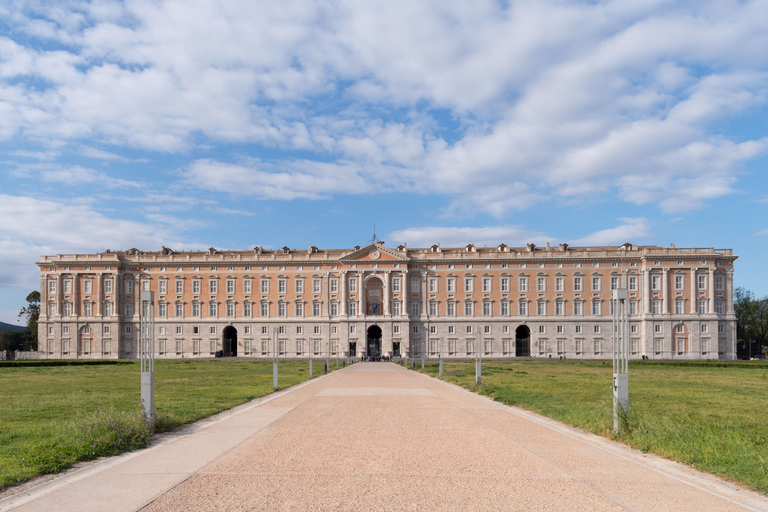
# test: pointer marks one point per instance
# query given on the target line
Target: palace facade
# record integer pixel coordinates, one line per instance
(547, 301)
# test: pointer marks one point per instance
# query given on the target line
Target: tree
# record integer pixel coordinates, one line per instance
(32, 313)
(752, 321)
(11, 341)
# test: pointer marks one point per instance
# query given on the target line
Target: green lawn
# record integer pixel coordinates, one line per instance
(43, 409)
(712, 418)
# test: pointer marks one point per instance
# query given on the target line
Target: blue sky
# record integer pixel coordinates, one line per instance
(191, 124)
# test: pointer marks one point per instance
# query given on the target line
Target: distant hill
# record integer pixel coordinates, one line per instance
(10, 327)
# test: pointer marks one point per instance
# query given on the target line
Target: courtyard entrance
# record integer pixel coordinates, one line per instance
(229, 341)
(522, 341)
(373, 341)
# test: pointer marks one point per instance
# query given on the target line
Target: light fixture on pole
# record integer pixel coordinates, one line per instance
(478, 358)
(147, 356)
(275, 357)
(441, 357)
(620, 355)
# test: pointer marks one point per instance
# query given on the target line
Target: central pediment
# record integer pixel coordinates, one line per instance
(374, 252)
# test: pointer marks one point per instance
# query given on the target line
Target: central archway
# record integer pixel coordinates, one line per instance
(373, 342)
(229, 341)
(522, 341)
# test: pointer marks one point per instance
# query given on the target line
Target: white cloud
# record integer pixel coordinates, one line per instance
(630, 230)
(491, 236)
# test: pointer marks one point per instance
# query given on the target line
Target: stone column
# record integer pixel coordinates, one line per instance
(424, 293)
(711, 289)
(694, 298)
(326, 302)
(386, 296)
(405, 290)
(646, 291)
(98, 308)
(729, 291)
(664, 292)
(75, 284)
(343, 302)
(361, 294)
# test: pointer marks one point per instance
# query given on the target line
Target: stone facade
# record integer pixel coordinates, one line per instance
(538, 301)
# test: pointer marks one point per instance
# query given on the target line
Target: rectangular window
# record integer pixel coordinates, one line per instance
(68, 286)
(128, 309)
(657, 328)
(596, 329)
(719, 307)
(486, 285)
(87, 310)
(633, 307)
(162, 287)
(179, 287)
(128, 286)
(414, 284)
(541, 308)
(702, 307)
(353, 284)
(230, 286)
(541, 284)
(396, 308)
(52, 288)
(247, 286)
(451, 285)
(523, 284)
(316, 309)
(578, 329)
(335, 286)
(505, 308)
(195, 309)
(655, 282)
(542, 329)
(577, 308)
(316, 286)
(299, 286)
(504, 284)
(721, 329)
(656, 307)
(433, 308)
(179, 310)
(702, 282)
(451, 329)
(213, 309)
(108, 286)
(469, 329)
(595, 284)
(395, 329)
(196, 285)
(87, 286)
(559, 329)
(414, 308)
(559, 284)
(353, 308)
(469, 284)
(632, 283)
(281, 309)
(679, 282)
(299, 309)
(432, 285)
(614, 283)
(678, 307)
(704, 328)
(264, 286)
(719, 283)
(523, 307)
(395, 284)
(334, 309)
(577, 284)
(451, 309)
(468, 309)
(230, 309)
(281, 285)
(415, 329)
(596, 307)
(559, 308)
(486, 309)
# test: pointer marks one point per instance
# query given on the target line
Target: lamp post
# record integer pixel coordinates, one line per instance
(478, 358)
(423, 349)
(275, 357)
(441, 357)
(620, 355)
(311, 349)
(147, 356)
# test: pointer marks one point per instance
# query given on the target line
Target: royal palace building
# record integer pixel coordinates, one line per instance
(552, 301)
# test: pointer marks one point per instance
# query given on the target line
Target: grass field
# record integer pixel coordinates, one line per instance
(712, 418)
(46, 412)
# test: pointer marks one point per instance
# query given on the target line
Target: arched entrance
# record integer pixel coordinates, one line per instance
(229, 341)
(374, 287)
(522, 341)
(373, 342)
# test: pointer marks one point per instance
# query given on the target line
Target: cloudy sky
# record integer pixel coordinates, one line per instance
(197, 123)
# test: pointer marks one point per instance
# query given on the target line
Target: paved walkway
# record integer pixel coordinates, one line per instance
(375, 436)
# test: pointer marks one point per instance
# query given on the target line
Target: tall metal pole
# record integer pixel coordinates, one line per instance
(478, 358)
(423, 343)
(147, 357)
(620, 355)
(275, 357)
(311, 349)
(441, 357)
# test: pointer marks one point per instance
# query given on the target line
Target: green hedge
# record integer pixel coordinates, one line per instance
(62, 362)
(716, 364)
